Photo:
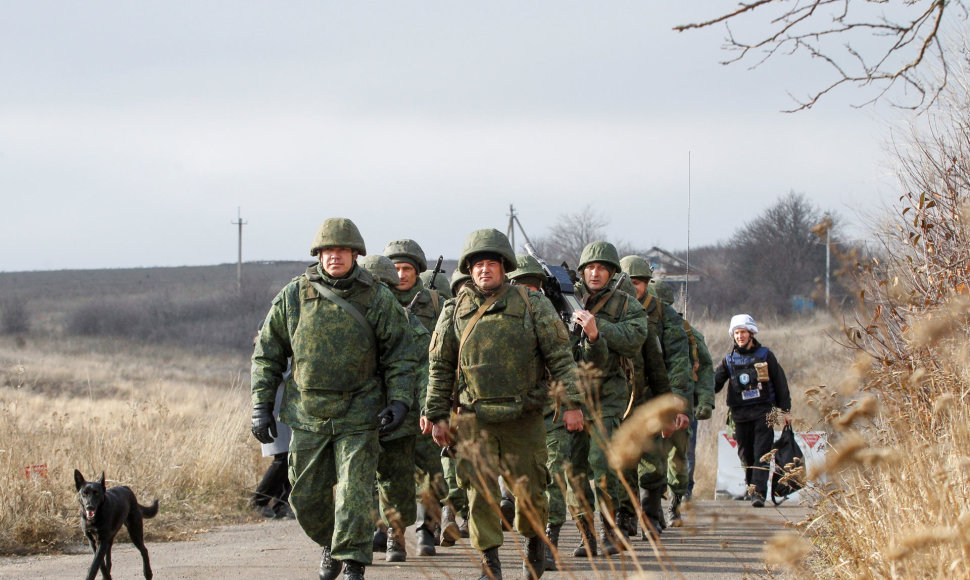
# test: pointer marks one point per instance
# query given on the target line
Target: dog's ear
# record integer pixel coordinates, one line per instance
(78, 480)
(101, 479)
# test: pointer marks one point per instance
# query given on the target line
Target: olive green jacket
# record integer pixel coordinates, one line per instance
(505, 355)
(341, 381)
(426, 307)
(651, 371)
(622, 327)
(704, 384)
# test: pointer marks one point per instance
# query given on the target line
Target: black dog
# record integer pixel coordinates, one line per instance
(102, 513)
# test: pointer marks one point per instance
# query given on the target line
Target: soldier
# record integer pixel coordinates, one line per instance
(529, 273)
(342, 330)
(677, 348)
(441, 284)
(650, 374)
(757, 384)
(395, 466)
(615, 329)
(408, 258)
(703, 401)
(491, 347)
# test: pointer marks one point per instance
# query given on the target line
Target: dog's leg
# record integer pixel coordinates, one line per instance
(99, 555)
(136, 531)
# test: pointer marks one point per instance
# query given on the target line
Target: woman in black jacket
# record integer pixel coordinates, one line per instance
(756, 384)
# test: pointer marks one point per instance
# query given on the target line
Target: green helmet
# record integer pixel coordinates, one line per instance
(526, 265)
(406, 251)
(636, 267)
(627, 285)
(458, 279)
(487, 241)
(338, 233)
(381, 267)
(441, 284)
(603, 252)
(662, 291)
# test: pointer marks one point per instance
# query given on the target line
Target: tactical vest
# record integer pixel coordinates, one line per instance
(499, 364)
(746, 387)
(331, 351)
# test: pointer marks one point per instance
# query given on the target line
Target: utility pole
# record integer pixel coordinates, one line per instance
(514, 221)
(239, 222)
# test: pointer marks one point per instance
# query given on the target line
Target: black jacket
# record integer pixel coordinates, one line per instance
(778, 380)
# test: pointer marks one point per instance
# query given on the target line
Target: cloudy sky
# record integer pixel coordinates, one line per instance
(130, 132)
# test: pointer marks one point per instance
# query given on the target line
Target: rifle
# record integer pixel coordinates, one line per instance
(431, 285)
(560, 291)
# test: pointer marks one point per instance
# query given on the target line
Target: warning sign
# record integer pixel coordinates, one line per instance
(730, 474)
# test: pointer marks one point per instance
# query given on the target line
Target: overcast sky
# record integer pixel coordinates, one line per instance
(130, 132)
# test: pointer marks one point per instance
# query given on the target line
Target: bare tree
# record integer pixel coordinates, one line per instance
(855, 38)
(567, 238)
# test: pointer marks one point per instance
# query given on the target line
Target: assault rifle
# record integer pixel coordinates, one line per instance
(431, 285)
(560, 291)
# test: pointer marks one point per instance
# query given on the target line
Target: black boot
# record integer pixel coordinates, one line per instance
(626, 522)
(353, 570)
(587, 538)
(491, 567)
(395, 546)
(653, 511)
(425, 533)
(507, 506)
(380, 539)
(611, 546)
(675, 521)
(552, 532)
(535, 558)
(329, 568)
(449, 527)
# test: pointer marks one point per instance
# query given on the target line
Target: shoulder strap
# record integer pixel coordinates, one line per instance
(435, 302)
(524, 293)
(602, 302)
(348, 308)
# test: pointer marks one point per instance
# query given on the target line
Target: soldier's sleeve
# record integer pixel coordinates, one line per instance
(554, 344)
(676, 354)
(704, 389)
(442, 365)
(655, 368)
(395, 342)
(721, 375)
(422, 338)
(273, 348)
(625, 337)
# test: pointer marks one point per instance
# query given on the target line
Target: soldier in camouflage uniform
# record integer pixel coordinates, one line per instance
(352, 362)
(395, 466)
(441, 284)
(650, 374)
(677, 357)
(703, 400)
(492, 346)
(615, 329)
(409, 259)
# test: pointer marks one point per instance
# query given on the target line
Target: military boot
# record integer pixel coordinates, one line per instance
(380, 539)
(491, 567)
(507, 505)
(396, 551)
(552, 532)
(587, 538)
(626, 522)
(463, 527)
(535, 558)
(425, 533)
(675, 521)
(611, 546)
(449, 527)
(329, 568)
(653, 510)
(353, 570)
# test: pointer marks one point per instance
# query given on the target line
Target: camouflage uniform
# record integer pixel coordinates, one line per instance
(622, 331)
(703, 401)
(426, 306)
(498, 377)
(338, 391)
(441, 284)
(677, 356)
(650, 374)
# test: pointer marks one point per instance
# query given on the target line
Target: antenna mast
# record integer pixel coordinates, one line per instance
(687, 273)
(239, 222)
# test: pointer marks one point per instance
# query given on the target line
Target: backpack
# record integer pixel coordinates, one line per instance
(788, 475)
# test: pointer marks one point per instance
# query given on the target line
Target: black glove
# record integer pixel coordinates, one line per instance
(264, 425)
(392, 417)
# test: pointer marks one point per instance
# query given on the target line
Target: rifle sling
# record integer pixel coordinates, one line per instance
(348, 308)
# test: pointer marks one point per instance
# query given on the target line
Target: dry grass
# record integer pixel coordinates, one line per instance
(168, 424)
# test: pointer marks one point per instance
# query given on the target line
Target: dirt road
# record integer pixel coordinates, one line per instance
(722, 539)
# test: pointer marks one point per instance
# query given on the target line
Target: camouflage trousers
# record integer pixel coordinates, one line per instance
(329, 470)
(517, 451)
(652, 468)
(427, 459)
(676, 455)
(395, 482)
(557, 444)
(588, 454)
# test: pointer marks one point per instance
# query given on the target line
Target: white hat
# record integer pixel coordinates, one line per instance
(742, 321)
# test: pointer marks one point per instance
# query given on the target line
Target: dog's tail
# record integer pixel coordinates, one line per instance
(150, 511)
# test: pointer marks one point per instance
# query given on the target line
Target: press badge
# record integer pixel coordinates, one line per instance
(752, 391)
